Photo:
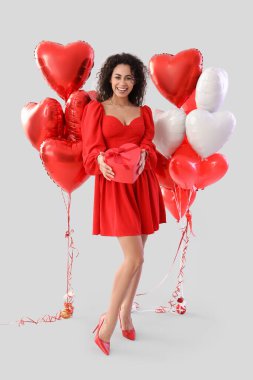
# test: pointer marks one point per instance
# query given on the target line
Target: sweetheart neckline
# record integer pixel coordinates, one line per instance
(124, 125)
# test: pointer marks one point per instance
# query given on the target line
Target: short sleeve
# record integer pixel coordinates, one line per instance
(92, 136)
(147, 140)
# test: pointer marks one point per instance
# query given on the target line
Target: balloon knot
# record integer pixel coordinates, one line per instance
(68, 233)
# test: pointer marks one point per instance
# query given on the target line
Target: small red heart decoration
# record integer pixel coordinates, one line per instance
(176, 76)
(65, 67)
(181, 309)
(42, 120)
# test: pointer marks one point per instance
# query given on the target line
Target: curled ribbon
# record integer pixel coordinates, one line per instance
(189, 220)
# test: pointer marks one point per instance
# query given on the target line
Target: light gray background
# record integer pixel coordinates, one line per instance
(213, 338)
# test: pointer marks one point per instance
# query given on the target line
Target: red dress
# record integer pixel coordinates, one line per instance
(122, 209)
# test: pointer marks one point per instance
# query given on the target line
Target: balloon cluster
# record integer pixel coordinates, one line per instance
(188, 136)
(56, 133)
(53, 132)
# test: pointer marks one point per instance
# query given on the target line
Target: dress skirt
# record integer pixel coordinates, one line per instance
(122, 209)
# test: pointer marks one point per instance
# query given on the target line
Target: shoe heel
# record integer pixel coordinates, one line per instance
(98, 323)
(95, 329)
(104, 346)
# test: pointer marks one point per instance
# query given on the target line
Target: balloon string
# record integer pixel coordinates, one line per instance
(71, 249)
(69, 296)
(189, 218)
(183, 237)
(177, 200)
(176, 302)
(188, 213)
(178, 292)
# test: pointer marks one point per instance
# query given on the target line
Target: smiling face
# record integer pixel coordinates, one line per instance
(122, 80)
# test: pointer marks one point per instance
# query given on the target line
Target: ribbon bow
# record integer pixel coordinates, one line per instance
(118, 157)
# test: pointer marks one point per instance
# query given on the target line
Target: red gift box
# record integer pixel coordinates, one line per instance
(124, 162)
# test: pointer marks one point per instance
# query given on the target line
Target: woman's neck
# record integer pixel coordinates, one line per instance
(121, 102)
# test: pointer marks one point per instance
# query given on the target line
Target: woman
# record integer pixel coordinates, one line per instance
(128, 211)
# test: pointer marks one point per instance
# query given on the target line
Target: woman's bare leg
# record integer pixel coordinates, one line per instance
(132, 247)
(126, 306)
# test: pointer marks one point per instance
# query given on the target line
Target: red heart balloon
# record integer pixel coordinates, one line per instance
(184, 166)
(190, 103)
(176, 76)
(183, 171)
(92, 94)
(64, 163)
(188, 169)
(162, 171)
(185, 149)
(211, 170)
(73, 114)
(178, 200)
(66, 68)
(42, 120)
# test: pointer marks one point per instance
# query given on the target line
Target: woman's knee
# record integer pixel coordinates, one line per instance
(135, 263)
(133, 250)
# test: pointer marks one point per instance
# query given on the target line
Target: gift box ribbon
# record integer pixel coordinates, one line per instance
(119, 159)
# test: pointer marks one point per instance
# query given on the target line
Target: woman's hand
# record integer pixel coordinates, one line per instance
(142, 161)
(104, 168)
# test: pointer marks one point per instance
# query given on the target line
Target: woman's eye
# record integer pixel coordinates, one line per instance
(128, 78)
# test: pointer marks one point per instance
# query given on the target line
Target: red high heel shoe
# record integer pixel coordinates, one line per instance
(104, 346)
(129, 334)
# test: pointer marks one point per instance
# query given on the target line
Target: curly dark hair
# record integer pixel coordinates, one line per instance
(138, 69)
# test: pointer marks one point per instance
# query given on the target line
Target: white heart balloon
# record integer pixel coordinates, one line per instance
(169, 130)
(208, 132)
(156, 113)
(211, 89)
